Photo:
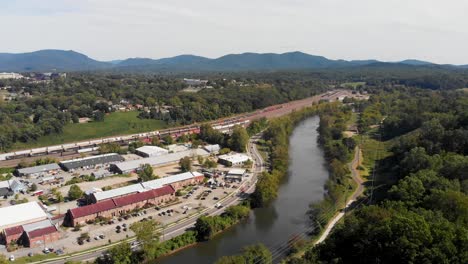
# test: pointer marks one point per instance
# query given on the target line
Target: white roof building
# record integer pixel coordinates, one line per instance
(21, 214)
(151, 151)
(236, 171)
(134, 188)
(145, 186)
(132, 165)
(212, 148)
(158, 183)
(234, 159)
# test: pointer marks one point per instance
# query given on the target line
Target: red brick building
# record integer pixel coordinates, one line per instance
(41, 237)
(12, 234)
(118, 206)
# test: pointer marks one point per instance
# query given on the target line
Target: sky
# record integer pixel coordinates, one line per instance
(388, 30)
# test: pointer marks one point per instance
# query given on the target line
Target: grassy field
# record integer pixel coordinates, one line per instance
(117, 123)
(372, 150)
(353, 84)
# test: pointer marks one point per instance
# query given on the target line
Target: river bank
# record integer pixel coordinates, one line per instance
(281, 219)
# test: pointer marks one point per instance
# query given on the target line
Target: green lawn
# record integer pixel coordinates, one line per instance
(117, 123)
(353, 84)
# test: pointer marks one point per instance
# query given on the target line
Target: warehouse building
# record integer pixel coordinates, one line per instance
(90, 162)
(38, 170)
(118, 206)
(233, 159)
(151, 151)
(35, 234)
(133, 165)
(21, 214)
(235, 174)
(176, 181)
(213, 149)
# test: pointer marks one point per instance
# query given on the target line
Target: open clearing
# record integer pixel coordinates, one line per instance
(117, 123)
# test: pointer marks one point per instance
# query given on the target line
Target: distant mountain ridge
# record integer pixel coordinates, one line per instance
(61, 60)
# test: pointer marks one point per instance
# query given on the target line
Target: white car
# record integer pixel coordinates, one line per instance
(12, 258)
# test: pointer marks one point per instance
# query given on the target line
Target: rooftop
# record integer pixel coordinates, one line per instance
(152, 150)
(236, 171)
(90, 161)
(159, 160)
(235, 158)
(15, 214)
(39, 169)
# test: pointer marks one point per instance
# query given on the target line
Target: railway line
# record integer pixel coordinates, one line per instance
(74, 149)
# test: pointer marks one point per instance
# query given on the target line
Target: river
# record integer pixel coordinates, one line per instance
(285, 217)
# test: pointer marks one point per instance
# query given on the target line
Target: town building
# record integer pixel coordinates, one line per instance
(13, 186)
(176, 181)
(195, 82)
(10, 75)
(133, 165)
(21, 214)
(235, 174)
(118, 206)
(90, 162)
(38, 170)
(151, 151)
(213, 149)
(36, 234)
(233, 159)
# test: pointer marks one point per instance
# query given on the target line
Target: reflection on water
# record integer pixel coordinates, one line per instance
(284, 217)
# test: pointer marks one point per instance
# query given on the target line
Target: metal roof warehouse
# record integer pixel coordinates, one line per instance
(38, 169)
(151, 151)
(132, 165)
(21, 214)
(144, 186)
(91, 161)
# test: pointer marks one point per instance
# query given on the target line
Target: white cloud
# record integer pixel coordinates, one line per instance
(358, 29)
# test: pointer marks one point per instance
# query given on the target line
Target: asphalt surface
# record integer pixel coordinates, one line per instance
(181, 227)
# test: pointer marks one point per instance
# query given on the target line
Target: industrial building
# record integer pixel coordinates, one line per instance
(21, 214)
(90, 162)
(235, 174)
(233, 159)
(151, 151)
(133, 165)
(38, 170)
(176, 181)
(35, 234)
(118, 206)
(213, 149)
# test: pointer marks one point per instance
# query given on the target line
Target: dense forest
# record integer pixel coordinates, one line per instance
(419, 213)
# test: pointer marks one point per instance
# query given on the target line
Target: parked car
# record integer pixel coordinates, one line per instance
(12, 258)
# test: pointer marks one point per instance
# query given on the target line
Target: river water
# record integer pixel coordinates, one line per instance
(285, 217)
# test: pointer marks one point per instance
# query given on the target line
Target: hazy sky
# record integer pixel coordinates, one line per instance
(388, 30)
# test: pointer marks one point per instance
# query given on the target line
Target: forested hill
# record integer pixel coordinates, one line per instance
(61, 60)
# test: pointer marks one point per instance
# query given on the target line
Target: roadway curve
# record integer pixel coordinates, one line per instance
(179, 228)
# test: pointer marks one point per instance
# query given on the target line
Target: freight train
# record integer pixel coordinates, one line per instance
(92, 145)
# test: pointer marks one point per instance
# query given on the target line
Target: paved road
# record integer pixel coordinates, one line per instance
(181, 227)
(358, 192)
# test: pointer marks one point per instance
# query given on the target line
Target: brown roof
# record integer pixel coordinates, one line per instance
(120, 201)
(42, 231)
(15, 230)
(92, 208)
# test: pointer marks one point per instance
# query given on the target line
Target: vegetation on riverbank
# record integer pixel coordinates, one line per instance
(255, 254)
(419, 209)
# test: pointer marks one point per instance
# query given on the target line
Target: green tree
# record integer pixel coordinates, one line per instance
(121, 253)
(145, 173)
(146, 234)
(168, 140)
(185, 164)
(75, 192)
(239, 139)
